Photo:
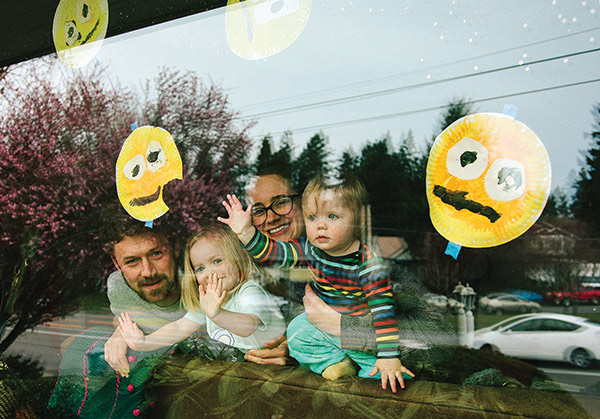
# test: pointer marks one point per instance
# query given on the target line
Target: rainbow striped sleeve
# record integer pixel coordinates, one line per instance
(274, 253)
(377, 287)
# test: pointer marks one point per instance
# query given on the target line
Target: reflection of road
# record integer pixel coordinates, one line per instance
(43, 342)
(583, 384)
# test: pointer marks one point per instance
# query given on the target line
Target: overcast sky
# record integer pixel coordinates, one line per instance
(393, 57)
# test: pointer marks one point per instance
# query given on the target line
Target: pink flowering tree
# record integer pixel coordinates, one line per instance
(60, 135)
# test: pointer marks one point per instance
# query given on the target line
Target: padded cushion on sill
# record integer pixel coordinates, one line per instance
(185, 387)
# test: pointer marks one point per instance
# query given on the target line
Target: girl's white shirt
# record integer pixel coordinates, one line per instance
(251, 298)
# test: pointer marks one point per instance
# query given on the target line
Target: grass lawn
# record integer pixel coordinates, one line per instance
(94, 303)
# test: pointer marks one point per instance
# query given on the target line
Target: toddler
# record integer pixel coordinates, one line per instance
(347, 275)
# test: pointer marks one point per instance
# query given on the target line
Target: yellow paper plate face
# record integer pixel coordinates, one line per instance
(78, 30)
(488, 180)
(148, 160)
(261, 28)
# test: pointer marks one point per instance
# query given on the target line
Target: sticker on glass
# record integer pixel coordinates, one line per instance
(148, 160)
(78, 30)
(488, 180)
(261, 28)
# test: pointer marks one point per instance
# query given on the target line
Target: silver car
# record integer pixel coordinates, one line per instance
(508, 303)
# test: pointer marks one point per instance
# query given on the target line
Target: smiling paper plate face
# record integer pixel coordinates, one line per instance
(148, 161)
(261, 28)
(78, 30)
(488, 180)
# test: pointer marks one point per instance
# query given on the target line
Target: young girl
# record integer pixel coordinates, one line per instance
(347, 276)
(216, 283)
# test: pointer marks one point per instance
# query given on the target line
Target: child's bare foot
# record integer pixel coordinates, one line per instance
(342, 369)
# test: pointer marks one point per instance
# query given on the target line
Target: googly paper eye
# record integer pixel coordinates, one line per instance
(134, 169)
(505, 180)
(267, 11)
(71, 33)
(467, 160)
(155, 156)
(83, 11)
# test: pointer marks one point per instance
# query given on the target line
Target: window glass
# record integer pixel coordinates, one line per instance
(372, 239)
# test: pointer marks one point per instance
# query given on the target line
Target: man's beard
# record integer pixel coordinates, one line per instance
(157, 295)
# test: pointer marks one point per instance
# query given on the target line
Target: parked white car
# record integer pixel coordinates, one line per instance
(544, 336)
(508, 303)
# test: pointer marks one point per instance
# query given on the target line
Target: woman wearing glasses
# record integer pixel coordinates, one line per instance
(277, 212)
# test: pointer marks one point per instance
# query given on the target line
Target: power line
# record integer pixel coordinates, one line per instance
(435, 67)
(433, 108)
(368, 95)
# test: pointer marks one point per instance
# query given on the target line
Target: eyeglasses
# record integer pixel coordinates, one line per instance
(281, 206)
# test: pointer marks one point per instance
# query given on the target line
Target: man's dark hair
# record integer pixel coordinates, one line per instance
(118, 224)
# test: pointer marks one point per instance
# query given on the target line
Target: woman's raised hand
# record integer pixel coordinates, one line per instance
(240, 220)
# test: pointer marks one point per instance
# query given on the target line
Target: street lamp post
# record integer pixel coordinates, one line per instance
(465, 295)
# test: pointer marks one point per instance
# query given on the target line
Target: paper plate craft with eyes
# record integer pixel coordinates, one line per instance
(78, 30)
(261, 28)
(488, 180)
(148, 160)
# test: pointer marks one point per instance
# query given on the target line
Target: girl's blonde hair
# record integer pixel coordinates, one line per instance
(353, 195)
(234, 253)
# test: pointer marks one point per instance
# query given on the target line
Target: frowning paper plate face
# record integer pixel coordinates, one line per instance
(258, 29)
(488, 180)
(148, 160)
(78, 30)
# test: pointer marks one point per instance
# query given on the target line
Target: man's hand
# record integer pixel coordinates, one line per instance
(320, 314)
(391, 370)
(115, 353)
(275, 353)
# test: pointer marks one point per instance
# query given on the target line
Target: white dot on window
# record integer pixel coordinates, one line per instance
(574, 20)
(527, 68)
(428, 76)
(470, 39)
(583, 3)
(566, 60)
(593, 11)
(475, 67)
(435, 23)
(524, 55)
(442, 37)
(560, 16)
(564, 20)
(422, 59)
(520, 62)
(592, 39)
(525, 25)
